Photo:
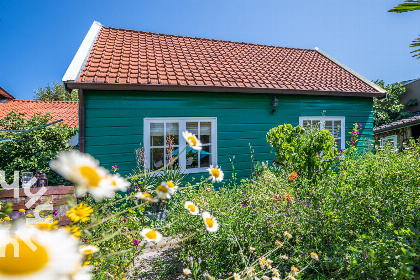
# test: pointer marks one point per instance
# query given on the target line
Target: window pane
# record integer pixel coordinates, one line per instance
(306, 123)
(205, 132)
(328, 126)
(192, 158)
(205, 156)
(172, 134)
(338, 142)
(156, 158)
(337, 128)
(193, 128)
(316, 124)
(156, 134)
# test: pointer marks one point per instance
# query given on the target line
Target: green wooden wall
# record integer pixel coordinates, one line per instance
(114, 121)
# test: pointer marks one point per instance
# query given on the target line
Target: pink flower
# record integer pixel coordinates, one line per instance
(360, 125)
(136, 242)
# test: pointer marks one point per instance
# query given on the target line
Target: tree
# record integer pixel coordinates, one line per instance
(408, 6)
(389, 109)
(55, 92)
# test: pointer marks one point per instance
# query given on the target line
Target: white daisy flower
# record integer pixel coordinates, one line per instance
(81, 273)
(117, 183)
(275, 278)
(210, 222)
(265, 278)
(32, 254)
(192, 140)
(186, 271)
(163, 192)
(262, 262)
(216, 174)
(150, 235)
(314, 256)
(275, 272)
(145, 196)
(287, 234)
(88, 249)
(84, 171)
(294, 271)
(171, 185)
(190, 207)
(236, 276)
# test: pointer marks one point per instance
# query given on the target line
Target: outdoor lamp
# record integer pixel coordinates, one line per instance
(275, 102)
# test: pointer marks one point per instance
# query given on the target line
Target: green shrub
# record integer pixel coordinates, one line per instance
(35, 154)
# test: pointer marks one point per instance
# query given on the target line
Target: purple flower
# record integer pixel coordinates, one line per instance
(136, 242)
(342, 150)
(352, 143)
(244, 205)
(366, 256)
(254, 212)
(199, 260)
(319, 155)
(55, 213)
(190, 259)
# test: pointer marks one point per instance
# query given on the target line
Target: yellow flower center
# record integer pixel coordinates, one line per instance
(215, 172)
(91, 175)
(147, 195)
(28, 261)
(114, 183)
(170, 184)
(209, 222)
(162, 188)
(193, 140)
(151, 234)
(263, 261)
(88, 252)
(192, 208)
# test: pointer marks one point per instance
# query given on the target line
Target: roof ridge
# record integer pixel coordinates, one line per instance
(207, 39)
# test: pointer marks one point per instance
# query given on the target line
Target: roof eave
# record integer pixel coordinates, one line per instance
(198, 88)
(395, 127)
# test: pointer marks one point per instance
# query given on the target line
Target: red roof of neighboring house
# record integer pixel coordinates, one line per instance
(66, 110)
(129, 57)
(5, 94)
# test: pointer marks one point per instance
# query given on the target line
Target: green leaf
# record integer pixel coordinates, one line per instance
(407, 6)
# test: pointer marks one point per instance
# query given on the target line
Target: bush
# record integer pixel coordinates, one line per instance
(35, 154)
(362, 220)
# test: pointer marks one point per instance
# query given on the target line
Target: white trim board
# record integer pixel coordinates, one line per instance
(78, 63)
(375, 86)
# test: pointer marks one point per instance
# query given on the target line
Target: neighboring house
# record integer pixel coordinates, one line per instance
(68, 111)
(138, 88)
(5, 96)
(399, 132)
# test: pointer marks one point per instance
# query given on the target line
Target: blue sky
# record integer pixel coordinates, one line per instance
(38, 39)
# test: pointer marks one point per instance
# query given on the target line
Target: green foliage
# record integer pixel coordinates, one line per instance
(35, 154)
(361, 219)
(55, 92)
(389, 108)
(412, 102)
(408, 6)
(306, 151)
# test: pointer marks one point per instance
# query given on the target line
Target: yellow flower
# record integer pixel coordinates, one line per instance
(294, 271)
(279, 244)
(192, 140)
(30, 215)
(171, 185)
(47, 225)
(7, 218)
(288, 235)
(145, 196)
(80, 212)
(210, 222)
(236, 276)
(216, 174)
(314, 256)
(22, 210)
(74, 230)
(190, 207)
(151, 235)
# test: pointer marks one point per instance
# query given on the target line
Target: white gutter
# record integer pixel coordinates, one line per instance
(348, 69)
(79, 60)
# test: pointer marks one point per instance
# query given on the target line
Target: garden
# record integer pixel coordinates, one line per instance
(315, 212)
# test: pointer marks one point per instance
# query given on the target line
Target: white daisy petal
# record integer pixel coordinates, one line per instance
(192, 140)
(145, 196)
(41, 254)
(210, 222)
(150, 235)
(216, 174)
(190, 207)
(163, 192)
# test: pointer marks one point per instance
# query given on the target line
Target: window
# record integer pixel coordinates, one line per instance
(163, 140)
(389, 140)
(335, 125)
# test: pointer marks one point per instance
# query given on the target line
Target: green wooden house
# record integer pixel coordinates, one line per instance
(142, 88)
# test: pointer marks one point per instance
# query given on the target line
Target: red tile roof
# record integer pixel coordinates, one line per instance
(121, 56)
(5, 94)
(66, 110)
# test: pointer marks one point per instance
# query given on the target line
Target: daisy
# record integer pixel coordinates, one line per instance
(294, 271)
(216, 174)
(150, 235)
(287, 234)
(171, 186)
(265, 278)
(262, 262)
(190, 207)
(80, 213)
(88, 249)
(163, 192)
(84, 171)
(251, 271)
(192, 140)
(145, 196)
(117, 182)
(236, 276)
(252, 249)
(187, 271)
(210, 222)
(314, 256)
(279, 244)
(275, 272)
(40, 255)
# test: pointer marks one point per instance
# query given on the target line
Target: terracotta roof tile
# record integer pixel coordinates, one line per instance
(157, 59)
(66, 110)
(5, 94)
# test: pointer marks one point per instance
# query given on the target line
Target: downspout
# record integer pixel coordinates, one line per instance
(81, 121)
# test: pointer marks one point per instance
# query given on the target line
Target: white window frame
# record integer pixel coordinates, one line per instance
(393, 137)
(322, 121)
(182, 124)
